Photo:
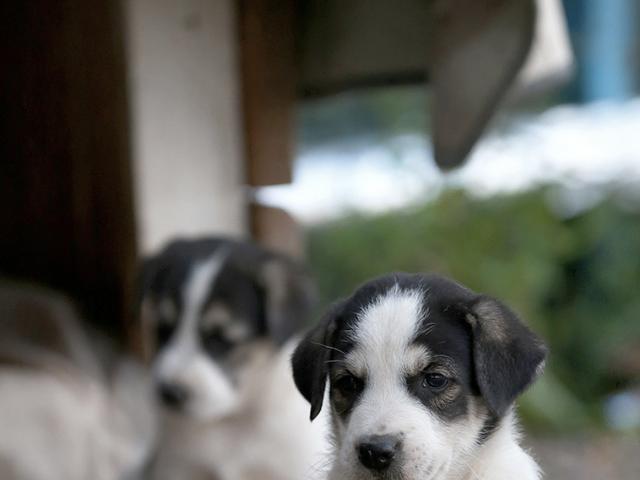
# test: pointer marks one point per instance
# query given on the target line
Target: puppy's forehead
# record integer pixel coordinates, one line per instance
(392, 319)
(174, 266)
(381, 339)
(396, 312)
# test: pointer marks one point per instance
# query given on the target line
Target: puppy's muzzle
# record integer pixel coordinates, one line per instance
(377, 452)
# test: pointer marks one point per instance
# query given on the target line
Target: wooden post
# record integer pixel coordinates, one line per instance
(65, 183)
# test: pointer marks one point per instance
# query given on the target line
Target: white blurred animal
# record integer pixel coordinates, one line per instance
(220, 318)
(62, 415)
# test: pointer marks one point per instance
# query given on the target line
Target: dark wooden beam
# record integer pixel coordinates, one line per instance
(65, 183)
(266, 31)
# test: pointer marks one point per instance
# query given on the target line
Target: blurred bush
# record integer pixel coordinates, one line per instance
(574, 279)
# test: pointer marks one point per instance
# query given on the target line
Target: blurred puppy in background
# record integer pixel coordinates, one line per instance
(218, 318)
(72, 406)
(423, 374)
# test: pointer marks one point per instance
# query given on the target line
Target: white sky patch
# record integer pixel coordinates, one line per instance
(576, 146)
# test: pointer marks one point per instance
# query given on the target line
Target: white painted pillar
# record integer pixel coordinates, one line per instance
(185, 98)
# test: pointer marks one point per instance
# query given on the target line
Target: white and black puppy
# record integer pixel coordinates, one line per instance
(423, 374)
(218, 315)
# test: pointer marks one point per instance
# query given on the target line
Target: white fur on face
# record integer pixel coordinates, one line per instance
(183, 361)
(383, 356)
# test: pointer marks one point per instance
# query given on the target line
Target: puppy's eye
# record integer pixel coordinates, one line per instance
(216, 343)
(435, 381)
(348, 385)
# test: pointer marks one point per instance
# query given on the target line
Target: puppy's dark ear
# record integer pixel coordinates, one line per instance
(289, 296)
(310, 359)
(507, 355)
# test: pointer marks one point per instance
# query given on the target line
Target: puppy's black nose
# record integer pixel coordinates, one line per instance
(172, 394)
(377, 451)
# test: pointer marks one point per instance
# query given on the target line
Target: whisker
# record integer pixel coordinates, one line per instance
(328, 347)
(426, 330)
(474, 474)
(319, 468)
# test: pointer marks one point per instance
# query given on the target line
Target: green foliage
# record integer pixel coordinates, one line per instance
(574, 280)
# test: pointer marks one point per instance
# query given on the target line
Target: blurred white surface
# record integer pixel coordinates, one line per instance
(183, 64)
(579, 147)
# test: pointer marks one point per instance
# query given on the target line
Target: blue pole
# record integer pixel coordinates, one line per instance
(609, 32)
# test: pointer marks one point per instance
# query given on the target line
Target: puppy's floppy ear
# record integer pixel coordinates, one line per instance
(289, 296)
(507, 355)
(310, 359)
